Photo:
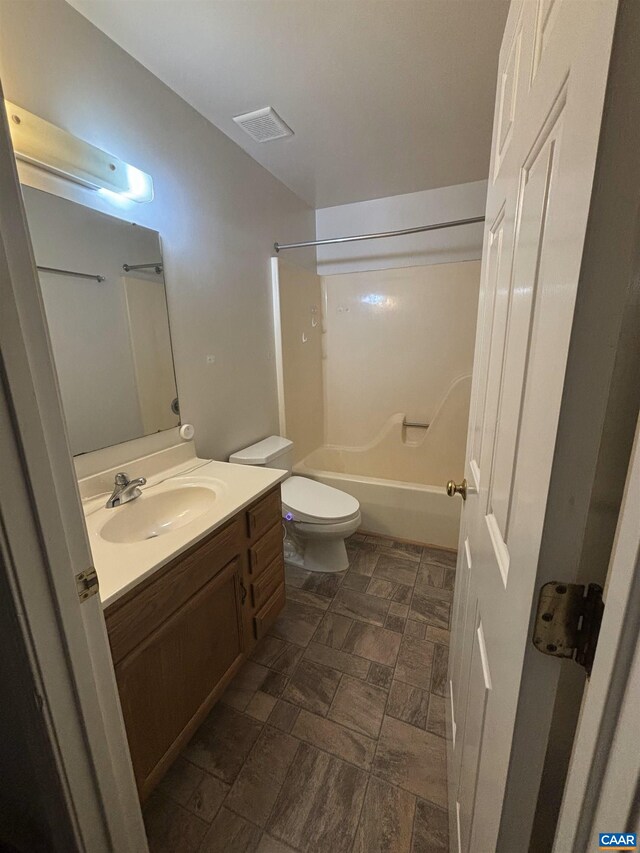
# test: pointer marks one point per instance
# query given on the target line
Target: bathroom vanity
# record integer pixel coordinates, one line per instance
(191, 576)
(178, 637)
(191, 570)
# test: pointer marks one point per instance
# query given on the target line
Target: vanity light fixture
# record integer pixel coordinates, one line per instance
(49, 147)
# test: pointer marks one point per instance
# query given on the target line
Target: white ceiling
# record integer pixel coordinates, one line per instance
(384, 96)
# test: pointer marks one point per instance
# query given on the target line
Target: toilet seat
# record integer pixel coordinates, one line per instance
(315, 503)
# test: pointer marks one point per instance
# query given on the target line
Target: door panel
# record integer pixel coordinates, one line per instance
(488, 327)
(509, 80)
(510, 373)
(545, 19)
(550, 95)
(459, 673)
(479, 689)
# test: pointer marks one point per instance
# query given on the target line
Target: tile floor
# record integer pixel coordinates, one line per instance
(331, 738)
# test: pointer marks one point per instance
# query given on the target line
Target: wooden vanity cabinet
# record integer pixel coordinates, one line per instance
(263, 577)
(179, 637)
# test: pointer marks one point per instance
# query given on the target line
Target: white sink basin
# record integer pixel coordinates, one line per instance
(150, 516)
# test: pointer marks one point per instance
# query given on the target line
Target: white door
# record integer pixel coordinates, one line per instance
(551, 85)
(601, 794)
(44, 545)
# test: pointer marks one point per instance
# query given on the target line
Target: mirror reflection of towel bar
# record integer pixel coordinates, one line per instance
(157, 268)
(418, 424)
(56, 271)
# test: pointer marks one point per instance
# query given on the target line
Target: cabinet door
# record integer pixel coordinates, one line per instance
(169, 682)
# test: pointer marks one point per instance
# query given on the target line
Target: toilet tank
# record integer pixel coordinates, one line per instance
(272, 452)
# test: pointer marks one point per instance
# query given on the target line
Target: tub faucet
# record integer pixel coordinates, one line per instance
(125, 490)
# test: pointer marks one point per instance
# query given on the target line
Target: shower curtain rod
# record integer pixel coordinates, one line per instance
(279, 247)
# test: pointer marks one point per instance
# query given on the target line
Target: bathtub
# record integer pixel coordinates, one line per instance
(400, 477)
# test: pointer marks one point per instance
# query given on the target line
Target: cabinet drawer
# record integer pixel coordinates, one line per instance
(267, 583)
(265, 550)
(265, 617)
(264, 514)
(141, 611)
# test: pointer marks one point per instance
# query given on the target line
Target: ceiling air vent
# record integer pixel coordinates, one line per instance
(263, 125)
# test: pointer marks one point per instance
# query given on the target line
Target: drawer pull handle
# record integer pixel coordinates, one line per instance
(244, 592)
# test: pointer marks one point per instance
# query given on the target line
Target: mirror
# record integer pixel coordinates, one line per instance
(110, 337)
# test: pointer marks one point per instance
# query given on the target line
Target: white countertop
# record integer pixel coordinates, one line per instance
(120, 566)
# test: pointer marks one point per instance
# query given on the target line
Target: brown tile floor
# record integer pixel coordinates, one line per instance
(331, 738)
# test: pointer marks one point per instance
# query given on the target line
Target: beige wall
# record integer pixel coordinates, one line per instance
(395, 342)
(217, 210)
(300, 299)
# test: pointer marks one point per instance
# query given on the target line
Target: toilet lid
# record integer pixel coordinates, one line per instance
(310, 501)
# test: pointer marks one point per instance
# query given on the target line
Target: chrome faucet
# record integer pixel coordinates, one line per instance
(125, 490)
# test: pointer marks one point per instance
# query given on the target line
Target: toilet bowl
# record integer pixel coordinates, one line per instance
(317, 518)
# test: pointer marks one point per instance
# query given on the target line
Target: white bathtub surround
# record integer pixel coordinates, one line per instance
(185, 498)
(395, 341)
(395, 344)
(406, 453)
(400, 318)
(399, 478)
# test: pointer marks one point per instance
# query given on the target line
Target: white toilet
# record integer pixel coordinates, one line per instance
(317, 518)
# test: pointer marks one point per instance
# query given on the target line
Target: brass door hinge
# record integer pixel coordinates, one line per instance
(568, 621)
(87, 583)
